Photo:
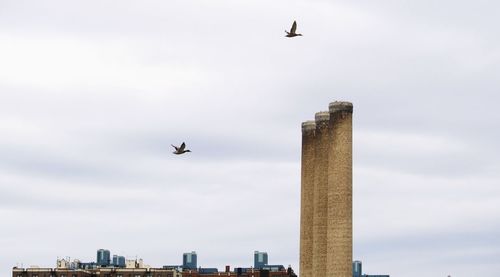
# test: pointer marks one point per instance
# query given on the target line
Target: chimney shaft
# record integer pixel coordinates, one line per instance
(320, 194)
(339, 241)
(306, 199)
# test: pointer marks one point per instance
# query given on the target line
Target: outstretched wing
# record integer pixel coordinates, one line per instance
(294, 27)
(183, 145)
(176, 148)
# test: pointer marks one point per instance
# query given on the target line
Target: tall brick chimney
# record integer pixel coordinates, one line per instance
(326, 194)
(320, 196)
(306, 198)
(339, 241)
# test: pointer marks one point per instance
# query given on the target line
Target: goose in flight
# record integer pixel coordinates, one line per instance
(292, 33)
(180, 150)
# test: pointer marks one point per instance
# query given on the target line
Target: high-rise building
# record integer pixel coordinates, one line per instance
(259, 259)
(357, 269)
(190, 260)
(118, 261)
(103, 257)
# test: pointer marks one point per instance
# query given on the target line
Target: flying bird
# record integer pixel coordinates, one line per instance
(180, 150)
(292, 33)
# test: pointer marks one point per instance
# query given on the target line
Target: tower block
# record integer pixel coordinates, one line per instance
(339, 240)
(306, 198)
(320, 196)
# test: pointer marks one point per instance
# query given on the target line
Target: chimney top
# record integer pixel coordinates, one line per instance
(340, 106)
(308, 126)
(322, 116)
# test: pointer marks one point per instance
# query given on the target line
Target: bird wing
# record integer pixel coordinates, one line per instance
(294, 27)
(183, 145)
(176, 148)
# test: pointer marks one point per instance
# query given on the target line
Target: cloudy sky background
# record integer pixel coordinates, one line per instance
(92, 94)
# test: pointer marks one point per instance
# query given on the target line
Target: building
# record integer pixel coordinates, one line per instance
(90, 265)
(189, 260)
(137, 272)
(134, 263)
(103, 257)
(208, 270)
(176, 267)
(50, 272)
(260, 259)
(147, 272)
(102, 261)
(118, 261)
(104, 271)
(241, 272)
(357, 270)
(274, 267)
(63, 263)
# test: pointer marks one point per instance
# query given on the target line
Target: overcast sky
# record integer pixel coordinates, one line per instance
(92, 94)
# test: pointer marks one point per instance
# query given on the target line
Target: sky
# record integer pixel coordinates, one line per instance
(92, 94)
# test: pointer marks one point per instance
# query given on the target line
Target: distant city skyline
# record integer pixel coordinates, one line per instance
(189, 260)
(189, 265)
